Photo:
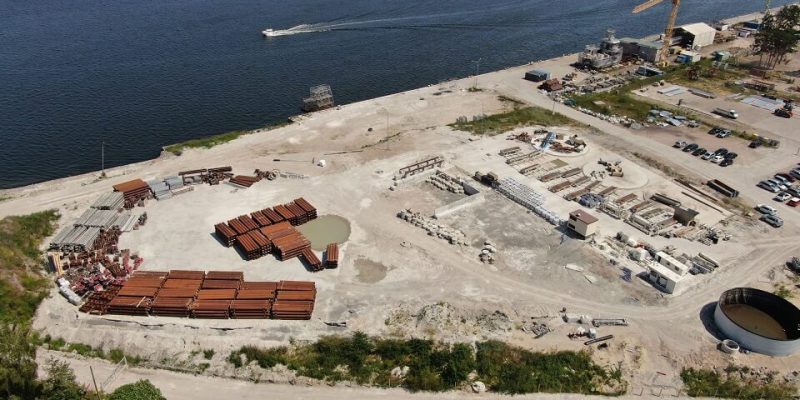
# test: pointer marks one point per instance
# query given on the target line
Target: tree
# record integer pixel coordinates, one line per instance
(60, 383)
(779, 36)
(17, 362)
(141, 390)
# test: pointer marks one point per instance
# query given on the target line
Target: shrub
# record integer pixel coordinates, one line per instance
(141, 390)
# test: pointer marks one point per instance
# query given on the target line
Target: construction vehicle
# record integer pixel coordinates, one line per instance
(613, 167)
(662, 55)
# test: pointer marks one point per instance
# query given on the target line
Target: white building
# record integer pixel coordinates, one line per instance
(696, 35)
(667, 272)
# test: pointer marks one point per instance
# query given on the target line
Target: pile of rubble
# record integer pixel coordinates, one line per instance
(443, 181)
(488, 252)
(454, 236)
(614, 119)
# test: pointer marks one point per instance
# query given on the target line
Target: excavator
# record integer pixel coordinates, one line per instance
(662, 55)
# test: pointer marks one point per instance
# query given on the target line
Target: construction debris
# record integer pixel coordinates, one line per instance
(454, 236)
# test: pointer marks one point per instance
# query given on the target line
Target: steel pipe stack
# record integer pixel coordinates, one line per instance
(311, 259)
(294, 300)
(332, 256)
(225, 234)
(133, 191)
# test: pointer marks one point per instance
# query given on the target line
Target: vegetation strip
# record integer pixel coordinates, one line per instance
(425, 365)
(519, 116)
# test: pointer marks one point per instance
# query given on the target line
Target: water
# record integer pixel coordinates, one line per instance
(141, 75)
(325, 230)
(756, 321)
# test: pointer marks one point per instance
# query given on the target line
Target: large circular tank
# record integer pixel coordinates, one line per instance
(759, 321)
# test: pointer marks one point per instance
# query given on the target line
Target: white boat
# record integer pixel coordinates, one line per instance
(269, 32)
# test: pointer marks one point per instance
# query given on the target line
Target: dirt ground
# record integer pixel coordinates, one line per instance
(396, 280)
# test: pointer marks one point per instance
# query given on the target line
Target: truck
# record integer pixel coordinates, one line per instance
(732, 114)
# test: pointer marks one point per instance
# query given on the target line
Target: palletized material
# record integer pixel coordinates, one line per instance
(332, 255)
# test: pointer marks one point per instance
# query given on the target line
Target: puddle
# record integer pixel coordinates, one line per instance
(369, 271)
(326, 229)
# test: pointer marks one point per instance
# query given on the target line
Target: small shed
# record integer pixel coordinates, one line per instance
(537, 75)
(582, 223)
(696, 35)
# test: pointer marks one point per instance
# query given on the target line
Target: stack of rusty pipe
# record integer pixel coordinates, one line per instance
(175, 297)
(294, 300)
(136, 295)
(332, 255)
(244, 180)
(133, 191)
(311, 259)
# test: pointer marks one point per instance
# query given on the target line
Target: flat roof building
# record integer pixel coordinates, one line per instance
(696, 35)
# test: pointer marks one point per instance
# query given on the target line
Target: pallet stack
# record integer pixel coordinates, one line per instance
(311, 259)
(133, 191)
(225, 234)
(332, 256)
(294, 300)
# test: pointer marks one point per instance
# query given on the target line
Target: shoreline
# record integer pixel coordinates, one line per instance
(92, 177)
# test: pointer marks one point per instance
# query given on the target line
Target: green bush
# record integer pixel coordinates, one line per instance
(706, 383)
(141, 390)
(60, 383)
(434, 366)
(208, 354)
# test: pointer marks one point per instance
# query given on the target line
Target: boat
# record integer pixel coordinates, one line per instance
(269, 32)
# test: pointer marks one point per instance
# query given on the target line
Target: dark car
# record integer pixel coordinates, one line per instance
(721, 152)
(699, 152)
(754, 144)
(786, 176)
(691, 147)
(714, 131)
(726, 162)
(731, 156)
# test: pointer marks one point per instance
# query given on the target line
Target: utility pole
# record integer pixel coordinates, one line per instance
(477, 69)
(103, 159)
(96, 391)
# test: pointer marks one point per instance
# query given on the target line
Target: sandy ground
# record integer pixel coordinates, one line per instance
(394, 279)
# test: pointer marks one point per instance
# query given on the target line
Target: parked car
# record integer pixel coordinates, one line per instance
(732, 114)
(768, 187)
(794, 191)
(707, 156)
(726, 162)
(721, 152)
(754, 144)
(786, 176)
(715, 130)
(699, 152)
(781, 180)
(731, 156)
(717, 159)
(765, 209)
(795, 173)
(778, 184)
(794, 202)
(691, 147)
(725, 133)
(679, 144)
(782, 196)
(773, 220)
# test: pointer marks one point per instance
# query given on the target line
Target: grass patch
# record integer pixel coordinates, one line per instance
(214, 140)
(473, 89)
(113, 355)
(519, 116)
(208, 354)
(22, 287)
(436, 366)
(730, 384)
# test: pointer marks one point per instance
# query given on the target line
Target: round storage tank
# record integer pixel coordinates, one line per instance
(759, 321)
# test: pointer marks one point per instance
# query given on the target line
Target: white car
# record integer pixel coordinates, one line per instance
(777, 184)
(781, 180)
(717, 159)
(707, 156)
(765, 209)
(782, 196)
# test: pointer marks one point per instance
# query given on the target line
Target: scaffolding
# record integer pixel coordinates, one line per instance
(320, 98)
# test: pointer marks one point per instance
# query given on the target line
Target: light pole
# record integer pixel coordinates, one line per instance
(103, 159)
(477, 68)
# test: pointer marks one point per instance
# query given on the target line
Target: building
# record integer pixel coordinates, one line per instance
(537, 75)
(582, 223)
(667, 272)
(663, 278)
(696, 36)
(644, 49)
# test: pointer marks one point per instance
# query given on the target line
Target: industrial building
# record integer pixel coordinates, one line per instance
(582, 223)
(645, 49)
(695, 36)
(759, 321)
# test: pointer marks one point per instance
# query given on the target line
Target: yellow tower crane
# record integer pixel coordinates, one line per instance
(662, 56)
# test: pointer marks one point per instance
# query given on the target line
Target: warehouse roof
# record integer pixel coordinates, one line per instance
(698, 29)
(583, 216)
